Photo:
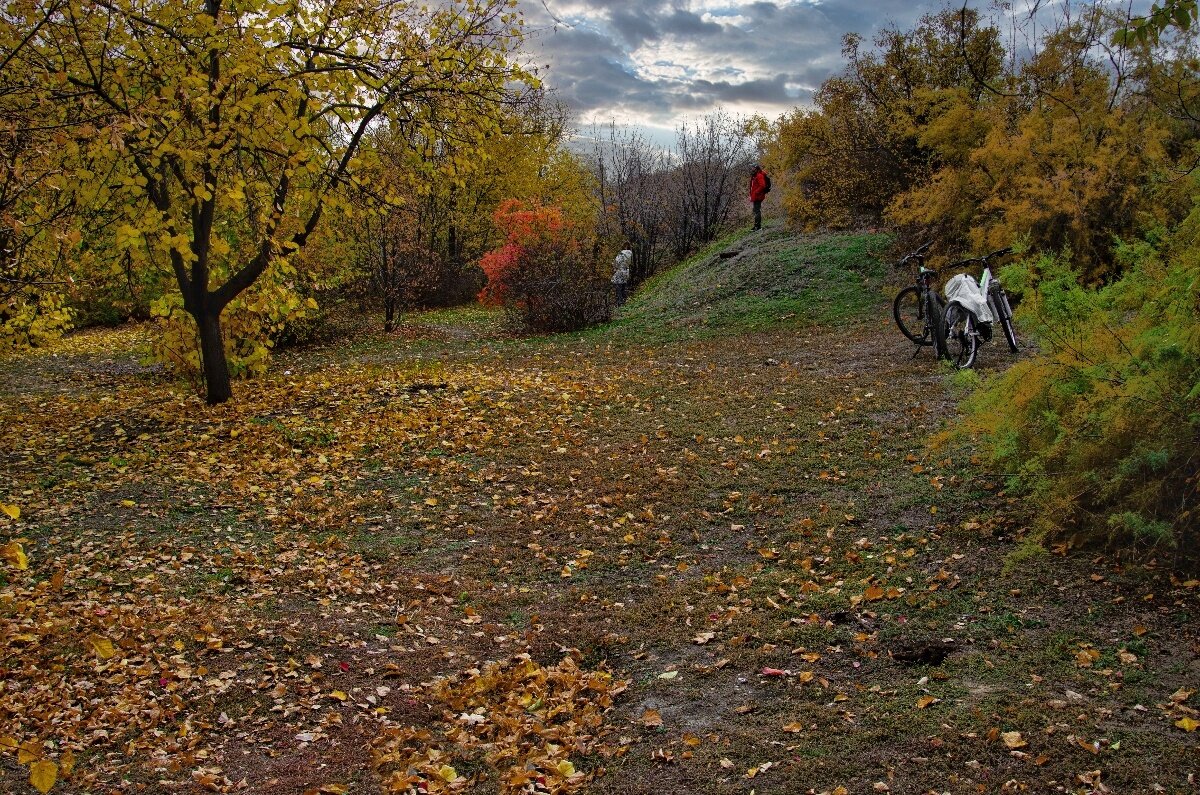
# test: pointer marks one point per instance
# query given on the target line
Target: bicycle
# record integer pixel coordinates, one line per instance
(963, 327)
(917, 308)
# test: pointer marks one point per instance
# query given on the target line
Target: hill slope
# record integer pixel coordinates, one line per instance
(752, 281)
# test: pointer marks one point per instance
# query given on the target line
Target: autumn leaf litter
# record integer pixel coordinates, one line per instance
(549, 567)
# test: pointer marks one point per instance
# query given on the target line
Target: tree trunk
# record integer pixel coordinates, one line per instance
(212, 357)
(389, 313)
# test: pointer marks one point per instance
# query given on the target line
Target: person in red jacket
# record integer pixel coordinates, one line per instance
(760, 184)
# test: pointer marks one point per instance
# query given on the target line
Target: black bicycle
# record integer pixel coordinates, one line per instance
(962, 330)
(918, 309)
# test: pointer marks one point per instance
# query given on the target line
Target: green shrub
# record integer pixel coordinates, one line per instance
(1102, 428)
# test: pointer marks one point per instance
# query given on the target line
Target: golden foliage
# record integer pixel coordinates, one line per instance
(949, 137)
(862, 146)
(526, 719)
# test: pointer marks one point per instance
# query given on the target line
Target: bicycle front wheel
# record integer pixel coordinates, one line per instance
(1005, 314)
(962, 342)
(910, 315)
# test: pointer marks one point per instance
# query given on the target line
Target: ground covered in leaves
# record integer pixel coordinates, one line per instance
(642, 560)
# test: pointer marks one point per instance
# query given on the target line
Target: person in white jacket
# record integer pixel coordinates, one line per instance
(620, 277)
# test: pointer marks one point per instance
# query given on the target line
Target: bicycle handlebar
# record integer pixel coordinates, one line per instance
(981, 259)
(919, 254)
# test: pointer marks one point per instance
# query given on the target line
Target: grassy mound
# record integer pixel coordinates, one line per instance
(753, 281)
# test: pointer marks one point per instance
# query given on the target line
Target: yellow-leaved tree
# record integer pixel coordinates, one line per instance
(34, 229)
(1059, 152)
(218, 132)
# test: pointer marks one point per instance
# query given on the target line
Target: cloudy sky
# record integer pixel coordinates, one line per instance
(652, 63)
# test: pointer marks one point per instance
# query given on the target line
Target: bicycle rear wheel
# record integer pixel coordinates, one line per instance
(962, 342)
(910, 315)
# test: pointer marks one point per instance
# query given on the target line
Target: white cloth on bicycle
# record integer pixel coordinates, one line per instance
(963, 290)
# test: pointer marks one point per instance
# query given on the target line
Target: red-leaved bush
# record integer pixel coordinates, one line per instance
(545, 275)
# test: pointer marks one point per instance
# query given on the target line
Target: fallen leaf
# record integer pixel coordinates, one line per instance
(29, 752)
(1188, 724)
(1013, 740)
(14, 553)
(42, 775)
(652, 719)
(102, 646)
(925, 701)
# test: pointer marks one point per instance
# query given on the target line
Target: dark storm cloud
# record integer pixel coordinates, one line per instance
(703, 94)
(662, 59)
(685, 23)
(635, 27)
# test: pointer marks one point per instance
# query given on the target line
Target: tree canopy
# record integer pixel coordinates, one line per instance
(217, 134)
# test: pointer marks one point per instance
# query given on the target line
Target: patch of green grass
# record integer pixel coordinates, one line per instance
(469, 316)
(1029, 550)
(764, 282)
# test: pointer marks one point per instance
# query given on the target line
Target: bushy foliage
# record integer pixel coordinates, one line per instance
(546, 274)
(862, 145)
(29, 318)
(941, 130)
(1102, 428)
(1066, 160)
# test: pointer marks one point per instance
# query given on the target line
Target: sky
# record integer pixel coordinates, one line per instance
(654, 63)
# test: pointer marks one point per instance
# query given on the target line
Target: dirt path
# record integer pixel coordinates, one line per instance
(751, 531)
